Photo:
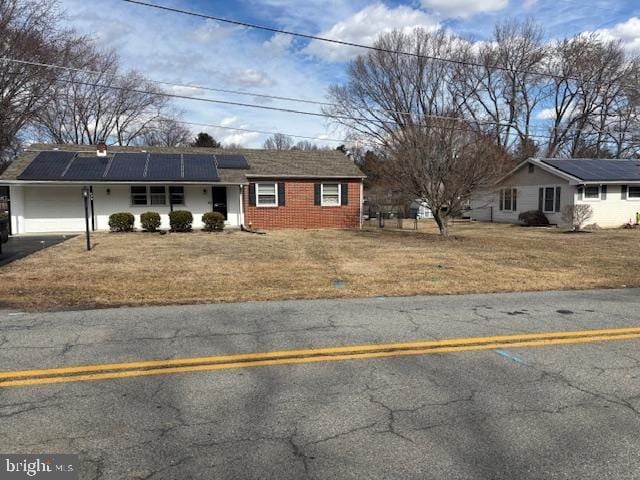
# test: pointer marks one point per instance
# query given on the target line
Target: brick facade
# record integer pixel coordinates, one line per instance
(300, 210)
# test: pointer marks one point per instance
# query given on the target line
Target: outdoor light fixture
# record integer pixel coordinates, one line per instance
(108, 191)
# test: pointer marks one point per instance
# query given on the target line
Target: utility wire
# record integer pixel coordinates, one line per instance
(280, 109)
(300, 112)
(194, 86)
(368, 47)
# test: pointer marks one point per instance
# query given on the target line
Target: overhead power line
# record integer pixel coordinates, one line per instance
(262, 132)
(368, 47)
(253, 94)
(300, 112)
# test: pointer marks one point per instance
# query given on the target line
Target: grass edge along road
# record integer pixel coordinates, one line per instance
(199, 364)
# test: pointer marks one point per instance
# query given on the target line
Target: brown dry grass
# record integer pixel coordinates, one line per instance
(146, 269)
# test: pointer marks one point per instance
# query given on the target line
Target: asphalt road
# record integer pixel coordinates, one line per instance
(552, 412)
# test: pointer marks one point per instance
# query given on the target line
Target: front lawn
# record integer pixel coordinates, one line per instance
(150, 269)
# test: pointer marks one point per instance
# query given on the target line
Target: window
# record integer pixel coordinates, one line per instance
(158, 195)
(592, 192)
(549, 197)
(176, 195)
(138, 195)
(330, 194)
(266, 195)
(531, 168)
(508, 198)
(633, 192)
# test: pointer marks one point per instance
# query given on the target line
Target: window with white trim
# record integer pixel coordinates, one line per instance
(633, 192)
(138, 195)
(158, 195)
(592, 192)
(330, 194)
(266, 194)
(176, 195)
(508, 199)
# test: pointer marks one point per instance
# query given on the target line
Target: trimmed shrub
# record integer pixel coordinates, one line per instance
(213, 222)
(533, 218)
(180, 221)
(150, 221)
(121, 222)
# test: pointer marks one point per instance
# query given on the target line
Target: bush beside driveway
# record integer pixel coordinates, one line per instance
(185, 268)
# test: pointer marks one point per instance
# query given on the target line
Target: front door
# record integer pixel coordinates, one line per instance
(219, 200)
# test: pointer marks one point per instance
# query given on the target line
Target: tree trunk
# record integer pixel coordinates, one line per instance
(442, 223)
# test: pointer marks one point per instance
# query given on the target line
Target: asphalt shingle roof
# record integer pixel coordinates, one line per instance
(262, 163)
(597, 169)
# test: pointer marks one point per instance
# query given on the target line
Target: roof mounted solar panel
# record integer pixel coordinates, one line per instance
(599, 170)
(86, 168)
(49, 165)
(164, 166)
(200, 167)
(127, 166)
(232, 162)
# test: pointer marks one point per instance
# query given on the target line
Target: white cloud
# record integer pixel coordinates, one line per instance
(627, 32)
(364, 27)
(240, 138)
(546, 114)
(250, 77)
(464, 8)
(278, 44)
(211, 31)
(228, 121)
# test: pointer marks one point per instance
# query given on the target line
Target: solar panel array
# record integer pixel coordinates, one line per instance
(86, 168)
(596, 170)
(199, 167)
(47, 166)
(169, 167)
(232, 162)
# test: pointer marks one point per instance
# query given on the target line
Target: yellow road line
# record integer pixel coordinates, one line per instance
(317, 351)
(329, 354)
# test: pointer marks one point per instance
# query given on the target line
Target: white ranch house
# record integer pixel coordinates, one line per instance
(610, 187)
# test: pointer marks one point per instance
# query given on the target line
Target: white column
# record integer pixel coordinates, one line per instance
(241, 216)
(16, 194)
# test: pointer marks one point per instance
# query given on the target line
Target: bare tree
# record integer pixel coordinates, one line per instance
(89, 108)
(577, 215)
(443, 165)
(407, 105)
(29, 29)
(167, 132)
(305, 146)
(278, 141)
(502, 101)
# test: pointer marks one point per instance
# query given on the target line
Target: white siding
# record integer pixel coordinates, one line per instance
(486, 204)
(614, 211)
(41, 209)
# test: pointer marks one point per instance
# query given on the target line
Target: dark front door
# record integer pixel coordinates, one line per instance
(219, 200)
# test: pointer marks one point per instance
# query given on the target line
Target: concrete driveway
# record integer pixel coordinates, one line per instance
(23, 246)
(545, 411)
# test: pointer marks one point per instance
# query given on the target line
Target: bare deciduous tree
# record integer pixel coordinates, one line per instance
(29, 29)
(167, 132)
(278, 141)
(89, 108)
(577, 215)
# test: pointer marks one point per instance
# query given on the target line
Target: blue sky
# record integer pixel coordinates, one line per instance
(175, 48)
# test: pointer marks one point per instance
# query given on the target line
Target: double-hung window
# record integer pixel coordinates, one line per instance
(176, 195)
(138, 195)
(509, 199)
(266, 194)
(330, 194)
(592, 192)
(549, 199)
(158, 195)
(633, 192)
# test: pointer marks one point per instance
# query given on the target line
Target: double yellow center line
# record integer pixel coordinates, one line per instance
(200, 364)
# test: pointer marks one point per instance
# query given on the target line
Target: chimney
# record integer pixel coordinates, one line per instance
(102, 150)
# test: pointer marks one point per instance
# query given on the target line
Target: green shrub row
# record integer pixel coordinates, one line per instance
(179, 220)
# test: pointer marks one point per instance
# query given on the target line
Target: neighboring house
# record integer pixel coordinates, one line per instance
(262, 188)
(420, 209)
(610, 187)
